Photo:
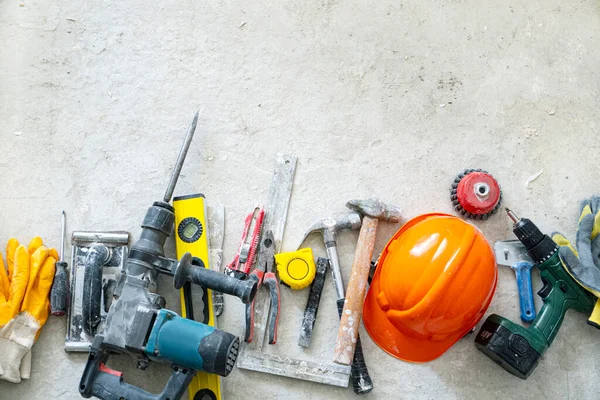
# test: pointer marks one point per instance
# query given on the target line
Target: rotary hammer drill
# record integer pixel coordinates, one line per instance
(518, 349)
(138, 324)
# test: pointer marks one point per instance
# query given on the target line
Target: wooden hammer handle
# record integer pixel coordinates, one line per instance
(355, 295)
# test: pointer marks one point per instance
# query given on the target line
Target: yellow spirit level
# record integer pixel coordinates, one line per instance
(191, 228)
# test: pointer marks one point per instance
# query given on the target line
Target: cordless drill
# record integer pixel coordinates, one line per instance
(138, 324)
(518, 349)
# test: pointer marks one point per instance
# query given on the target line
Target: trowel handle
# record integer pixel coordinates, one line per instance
(523, 272)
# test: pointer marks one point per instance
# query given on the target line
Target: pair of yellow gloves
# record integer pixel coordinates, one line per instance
(25, 282)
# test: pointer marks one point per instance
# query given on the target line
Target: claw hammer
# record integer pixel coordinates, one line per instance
(361, 381)
(372, 210)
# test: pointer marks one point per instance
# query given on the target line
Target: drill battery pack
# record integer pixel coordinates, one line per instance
(509, 350)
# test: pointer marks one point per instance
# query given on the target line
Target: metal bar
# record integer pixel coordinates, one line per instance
(63, 223)
(181, 158)
(108, 238)
(326, 373)
(336, 272)
(275, 217)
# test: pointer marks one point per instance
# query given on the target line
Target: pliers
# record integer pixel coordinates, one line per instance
(244, 258)
(265, 274)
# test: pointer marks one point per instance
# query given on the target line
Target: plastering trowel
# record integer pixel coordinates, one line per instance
(97, 261)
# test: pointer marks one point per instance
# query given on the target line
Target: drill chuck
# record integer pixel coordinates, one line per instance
(157, 226)
(539, 246)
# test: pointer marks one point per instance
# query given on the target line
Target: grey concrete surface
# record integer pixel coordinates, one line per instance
(376, 98)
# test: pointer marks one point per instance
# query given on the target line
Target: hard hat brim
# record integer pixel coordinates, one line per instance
(398, 344)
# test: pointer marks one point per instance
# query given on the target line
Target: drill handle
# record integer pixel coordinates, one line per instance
(104, 383)
(559, 293)
(550, 317)
(191, 269)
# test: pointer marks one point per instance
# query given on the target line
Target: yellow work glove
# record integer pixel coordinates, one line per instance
(583, 263)
(11, 300)
(24, 304)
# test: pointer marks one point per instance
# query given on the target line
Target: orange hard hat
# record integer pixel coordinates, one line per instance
(434, 281)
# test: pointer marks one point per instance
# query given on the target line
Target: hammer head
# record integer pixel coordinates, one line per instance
(330, 225)
(375, 208)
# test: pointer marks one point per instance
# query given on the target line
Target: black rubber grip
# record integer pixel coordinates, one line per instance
(249, 320)
(108, 291)
(361, 381)
(205, 310)
(59, 295)
(187, 300)
(312, 305)
(249, 314)
(271, 282)
(92, 288)
(187, 297)
(197, 274)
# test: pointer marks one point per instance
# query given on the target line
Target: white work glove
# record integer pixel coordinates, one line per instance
(25, 368)
(24, 304)
(16, 339)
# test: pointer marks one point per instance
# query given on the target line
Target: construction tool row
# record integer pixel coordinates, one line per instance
(431, 285)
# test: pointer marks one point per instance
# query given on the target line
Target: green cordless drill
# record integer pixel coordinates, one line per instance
(514, 347)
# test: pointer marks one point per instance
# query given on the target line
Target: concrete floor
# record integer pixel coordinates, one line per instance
(376, 98)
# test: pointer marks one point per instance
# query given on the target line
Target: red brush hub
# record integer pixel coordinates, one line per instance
(476, 194)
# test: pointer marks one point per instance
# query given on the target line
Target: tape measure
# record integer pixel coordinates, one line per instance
(297, 268)
(191, 236)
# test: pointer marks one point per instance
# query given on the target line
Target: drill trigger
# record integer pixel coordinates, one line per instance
(546, 289)
(111, 371)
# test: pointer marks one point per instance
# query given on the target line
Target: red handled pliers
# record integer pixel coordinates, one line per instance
(265, 274)
(240, 266)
